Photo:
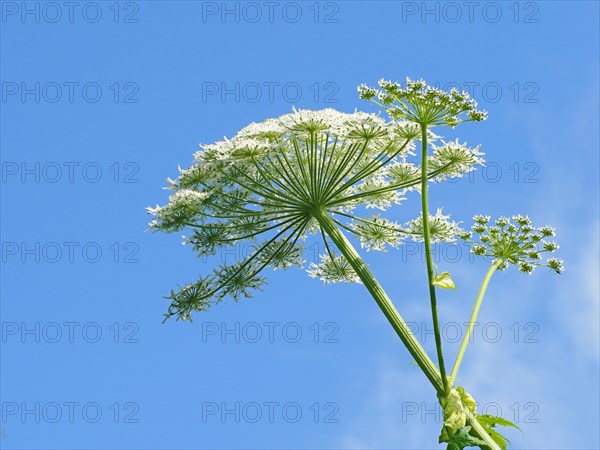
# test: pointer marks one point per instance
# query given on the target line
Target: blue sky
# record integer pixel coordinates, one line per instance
(102, 101)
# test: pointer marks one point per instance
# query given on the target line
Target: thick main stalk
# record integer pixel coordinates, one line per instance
(393, 316)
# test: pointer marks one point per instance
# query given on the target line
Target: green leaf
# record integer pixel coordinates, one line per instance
(498, 438)
(444, 281)
(462, 439)
(492, 421)
(489, 422)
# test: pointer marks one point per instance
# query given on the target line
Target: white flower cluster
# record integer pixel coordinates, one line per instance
(269, 180)
(364, 155)
(179, 202)
(334, 269)
(423, 104)
(454, 159)
(378, 232)
(303, 123)
(440, 227)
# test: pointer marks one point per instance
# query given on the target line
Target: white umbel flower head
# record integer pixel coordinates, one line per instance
(454, 159)
(441, 228)
(423, 104)
(333, 269)
(269, 182)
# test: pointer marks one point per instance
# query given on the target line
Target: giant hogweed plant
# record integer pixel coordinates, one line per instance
(332, 175)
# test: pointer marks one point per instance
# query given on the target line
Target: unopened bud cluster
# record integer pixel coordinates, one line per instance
(514, 242)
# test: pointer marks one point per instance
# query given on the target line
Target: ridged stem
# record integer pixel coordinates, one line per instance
(429, 261)
(393, 316)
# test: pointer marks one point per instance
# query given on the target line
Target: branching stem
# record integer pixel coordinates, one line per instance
(393, 316)
(382, 299)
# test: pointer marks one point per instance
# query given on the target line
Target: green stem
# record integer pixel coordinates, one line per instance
(382, 299)
(427, 241)
(472, 320)
(393, 316)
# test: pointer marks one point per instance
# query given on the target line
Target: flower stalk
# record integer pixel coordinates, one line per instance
(428, 258)
(473, 319)
(394, 317)
(381, 298)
